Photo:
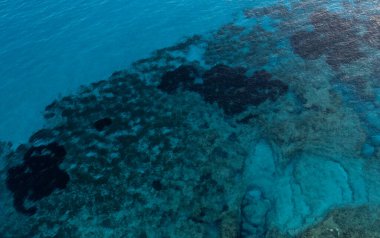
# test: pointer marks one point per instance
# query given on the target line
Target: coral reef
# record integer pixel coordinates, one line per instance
(229, 87)
(182, 77)
(164, 167)
(102, 123)
(356, 222)
(229, 134)
(372, 35)
(333, 36)
(234, 92)
(38, 176)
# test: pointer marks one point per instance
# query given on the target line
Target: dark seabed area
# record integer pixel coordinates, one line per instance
(266, 127)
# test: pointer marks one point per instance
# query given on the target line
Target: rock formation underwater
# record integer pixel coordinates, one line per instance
(266, 127)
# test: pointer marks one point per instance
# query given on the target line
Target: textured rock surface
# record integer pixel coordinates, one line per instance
(38, 176)
(333, 36)
(348, 223)
(164, 167)
(230, 88)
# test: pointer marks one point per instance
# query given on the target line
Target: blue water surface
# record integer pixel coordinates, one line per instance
(49, 48)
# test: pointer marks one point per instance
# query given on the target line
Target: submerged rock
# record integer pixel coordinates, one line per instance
(155, 171)
(102, 123)
(227, 86)
(372, 35)
(234, 92)
(333, 36)
(357, 222)
(38, 176)
(182, 77)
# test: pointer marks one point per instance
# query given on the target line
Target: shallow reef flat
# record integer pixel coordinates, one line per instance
(348, 222)
(266, 127)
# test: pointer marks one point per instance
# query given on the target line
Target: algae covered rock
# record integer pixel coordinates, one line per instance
(229, 87)
(146, 173)
(362, 221)
(333, 35)
(38, 176)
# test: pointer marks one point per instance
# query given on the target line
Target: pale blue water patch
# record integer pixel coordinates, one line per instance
(302, 192)
(49, 48)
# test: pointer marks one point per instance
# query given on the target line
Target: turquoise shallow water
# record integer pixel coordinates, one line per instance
(203, 119)
(52, 48)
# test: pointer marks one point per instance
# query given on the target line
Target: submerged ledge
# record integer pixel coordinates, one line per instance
(254, 130)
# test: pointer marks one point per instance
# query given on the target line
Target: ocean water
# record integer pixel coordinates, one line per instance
(50, 49)
(190, 119)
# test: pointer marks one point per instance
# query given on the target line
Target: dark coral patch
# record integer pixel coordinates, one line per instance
(260, 87)
(157, 185)
(182, 77)
(102, 123)
(372, 36)
(227, 86)
(308, 45)
(38, 176)
(233, 91)
(333, 36)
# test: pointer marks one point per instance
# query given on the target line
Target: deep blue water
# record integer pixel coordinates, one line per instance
(190, 119)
